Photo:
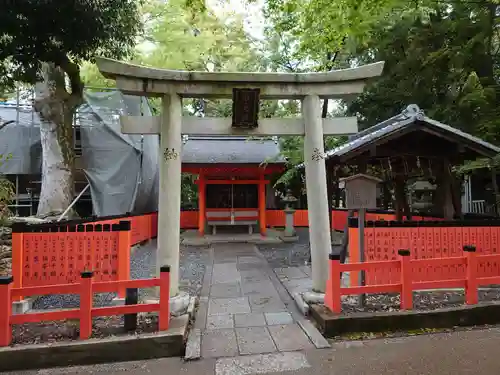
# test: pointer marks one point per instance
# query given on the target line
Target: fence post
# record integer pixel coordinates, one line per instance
(149, 221)
(18, 230)
(5, 310)
(471, 297)
(164, 315)
(332, 296)
(124, 245)
(353, 249)
(86, 298)
(406, 280)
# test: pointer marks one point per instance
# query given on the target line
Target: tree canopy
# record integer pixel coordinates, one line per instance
(64, 33)
(45, 42)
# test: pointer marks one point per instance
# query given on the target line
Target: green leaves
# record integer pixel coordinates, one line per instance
(36, 31)
(4, 158)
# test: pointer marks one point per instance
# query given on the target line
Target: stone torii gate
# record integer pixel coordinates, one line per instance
(246, 89)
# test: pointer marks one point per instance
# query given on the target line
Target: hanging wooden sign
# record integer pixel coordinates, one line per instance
(245, 108)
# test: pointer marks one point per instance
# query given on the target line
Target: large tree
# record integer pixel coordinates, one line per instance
(445, 61)
(45, 42)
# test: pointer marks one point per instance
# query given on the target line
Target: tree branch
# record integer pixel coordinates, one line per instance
(329, 66)
(73, 71)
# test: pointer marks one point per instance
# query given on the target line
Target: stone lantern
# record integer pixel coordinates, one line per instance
(289, 210)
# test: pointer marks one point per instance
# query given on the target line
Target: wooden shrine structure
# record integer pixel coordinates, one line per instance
(233, 179)
(409, 146)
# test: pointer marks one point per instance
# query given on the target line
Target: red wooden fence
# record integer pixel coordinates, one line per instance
(408, 277)
(276, 218)
(85, 288)
(425, 240)
(56, 253)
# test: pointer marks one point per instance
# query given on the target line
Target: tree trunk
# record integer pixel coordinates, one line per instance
(56, 108)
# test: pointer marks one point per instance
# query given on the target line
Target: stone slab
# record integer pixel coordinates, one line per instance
(290, 337)
(463, 316)
(249, 320)
(252, 276)
(218, 260)
(219, 343)
(193, 345)
(261, 364)
(86, 352)
(249, 266)
(314, 335)
(290, 273)
(266, 303)
(279, 318)
(307, 270)
(302, 305)
(254, 340)
(220, 321)
(256, 288)
(225, 290)
(218, 306)
(201, 315)
(298, 285)
(225, 273)
(249, 259)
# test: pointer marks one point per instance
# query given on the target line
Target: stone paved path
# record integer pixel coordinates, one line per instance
(245, 310)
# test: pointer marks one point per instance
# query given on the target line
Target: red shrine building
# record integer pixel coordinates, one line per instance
(233, 180)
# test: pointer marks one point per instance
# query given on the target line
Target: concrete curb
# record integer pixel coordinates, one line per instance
(113, 349)
(302, 305)
(332, 325)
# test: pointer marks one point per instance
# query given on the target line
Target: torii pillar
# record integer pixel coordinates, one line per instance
(171, 86)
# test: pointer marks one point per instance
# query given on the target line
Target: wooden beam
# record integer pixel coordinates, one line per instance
(222, 126)
(233, 182)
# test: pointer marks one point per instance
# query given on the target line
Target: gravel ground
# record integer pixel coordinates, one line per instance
(423, 301)
(288, 254)
(66, 330)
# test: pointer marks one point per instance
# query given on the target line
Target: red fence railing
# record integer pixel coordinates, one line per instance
(56, 253)
(85, 288)
(408, 279)
(425, 240)
(276, 218)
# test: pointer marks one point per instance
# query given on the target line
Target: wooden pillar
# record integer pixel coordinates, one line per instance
(262, 204)
(446, 183)
(386, 195)
(400, 198)
(202, 190)
(496, 194)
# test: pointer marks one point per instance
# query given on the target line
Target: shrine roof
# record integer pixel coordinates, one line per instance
(412, 116)
(230, 150)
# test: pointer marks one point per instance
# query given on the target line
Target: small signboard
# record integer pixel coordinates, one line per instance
(361, 191)
(245, 108)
